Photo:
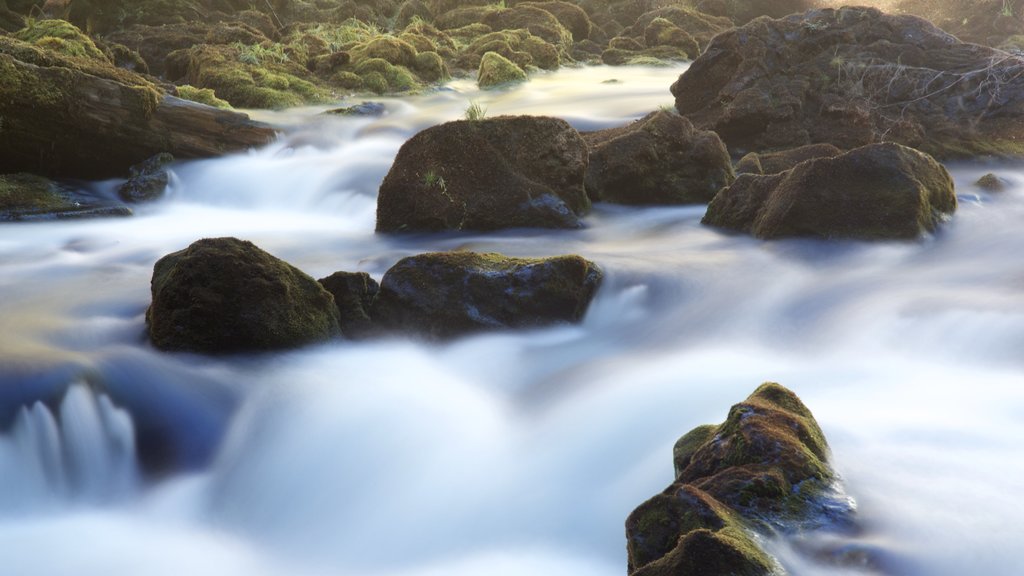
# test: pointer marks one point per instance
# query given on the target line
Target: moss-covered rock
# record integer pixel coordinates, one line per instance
(496, 70)
(224, 295)
(662, 32)
(442, 295)
(519, 46)
(873, 192)
(569, 15)
(775, 162)
(155, 43)
(659, 159)
(354, 293)
(537, 21)
(30, 197)
(698, 25)
(766, 465)
(504, 172)
(202, 96)
(60, 36)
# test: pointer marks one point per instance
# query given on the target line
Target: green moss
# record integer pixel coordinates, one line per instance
(430, 67)
(387, 48)
(203, 96)
(375, 82)
(689, 443)
(29, 193)
(60, 36)
(496, 70)
(268, 85)
(346, 80)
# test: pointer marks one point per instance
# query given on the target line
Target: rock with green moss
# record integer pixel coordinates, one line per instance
(782, 160)
(148, 180)
(765, 466)
(659, 159)
(504, 172)
(660, 26)
(354, 293)
(852, 76)
(496, 70)
(991, 183)
(27, 197)
(879, 191)
(86, 118)
(224, 295)
(537, 21)
(518, 46)
(202, 96)
(662, 32)
(60, 36)
(569, 15)
(448, 294)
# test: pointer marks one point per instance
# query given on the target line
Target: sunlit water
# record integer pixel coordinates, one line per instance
(503, 454)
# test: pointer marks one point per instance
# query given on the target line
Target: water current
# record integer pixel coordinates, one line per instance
(509, 454)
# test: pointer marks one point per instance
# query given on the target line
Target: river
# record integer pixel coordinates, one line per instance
(509, 454)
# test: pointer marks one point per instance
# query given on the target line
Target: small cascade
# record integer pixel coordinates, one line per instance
(82, 452)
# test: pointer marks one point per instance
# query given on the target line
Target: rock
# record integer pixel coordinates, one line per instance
(224, 295)
(988, 22)
(364, 109)
(489, 174)
(659, 159)
(851, 77)
(537, 21)
(448, 294)
(873, 192)
(354, 293)
(699, 26)
(991, 183)
(570, 15)
(86, 118)
(148, 180)
(775, 162)
(765, 466)
(30, 197)
(743, 12)
(496, 70)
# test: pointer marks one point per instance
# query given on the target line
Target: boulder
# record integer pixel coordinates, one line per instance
(877, 191)
(503, 172)
(496, 70)
(224, 295)
(659, 159)
(354, 293)
(854, 76)
(698, 25)
(148, 180)
(775, 162)
(765, 466)
(30, 197)
(86, 118)
(447, 294)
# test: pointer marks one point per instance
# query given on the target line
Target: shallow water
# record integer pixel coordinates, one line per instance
(512, 453)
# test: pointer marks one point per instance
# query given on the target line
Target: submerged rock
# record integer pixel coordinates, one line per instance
(659, 159)
(873, 192)
(447, 294)
(504, 172)
(30, 197)
(854, 76)
(766, 465)
(148, 180)
(223, 295)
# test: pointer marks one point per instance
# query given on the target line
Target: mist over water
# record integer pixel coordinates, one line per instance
(510, 453)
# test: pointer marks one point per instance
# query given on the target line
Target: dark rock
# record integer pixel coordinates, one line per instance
(86, 118)
(766, 465)
(851, 77)
(148, 180)
(370, 109)
(223, 295)
(504, 172)
(873, 192)
(447, 294)
(775, 162)
(991, 183)
(659, 159)
(353, 293)
(27, 197)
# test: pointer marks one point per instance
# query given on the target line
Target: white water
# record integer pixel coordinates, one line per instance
(507, 454)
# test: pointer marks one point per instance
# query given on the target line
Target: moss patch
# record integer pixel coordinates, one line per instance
(496, 70)
(60, 36)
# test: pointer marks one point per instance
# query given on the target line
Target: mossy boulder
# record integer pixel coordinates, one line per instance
(448, 294)
(155, 43)
(879, 191)
(742, 12)
(148, 180)
(86, 118)
(354, 293)
(765, 466)
(62, 37)
(658, 27)
(989, 22)
(537, 21)
(224, 295)
(659, 159)
(503, 172)
(775, 162)
(662, 32)
(27, 197)
(496, 70)
(518, 46)
(202, 96)
(850, 77)
(569, 15)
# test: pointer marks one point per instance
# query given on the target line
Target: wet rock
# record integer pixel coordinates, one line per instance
(353, 293)
(874, 192)
(447, 294)
(503, 172)
(775, 162)
(659, 159)
(148, 180)
(991, 183)
(766, 465)
(27, 197)
(367, 109)
(496, 70)
(224, 295)
(854, 76)
(86, 118)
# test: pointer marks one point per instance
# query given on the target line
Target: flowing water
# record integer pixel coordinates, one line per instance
(510, 453)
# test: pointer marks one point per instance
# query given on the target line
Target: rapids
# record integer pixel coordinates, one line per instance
(509, 454)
